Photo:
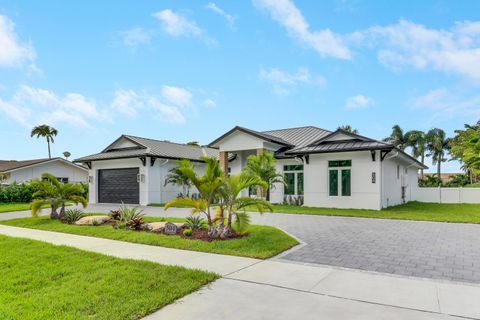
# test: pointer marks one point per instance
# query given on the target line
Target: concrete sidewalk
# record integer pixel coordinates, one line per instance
(276, 289)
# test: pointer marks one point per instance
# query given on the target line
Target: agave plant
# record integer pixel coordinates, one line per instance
(131, 217)
(72, 215)
(195, 222)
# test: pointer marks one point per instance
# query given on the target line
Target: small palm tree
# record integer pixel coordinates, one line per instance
(55, 194)
(417, 140)
(46, 132)
(437, 145)
(176, 176)
(263, 166)
(397, 138)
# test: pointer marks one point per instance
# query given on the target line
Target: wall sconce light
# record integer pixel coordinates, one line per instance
(141, 177)
(374, 177)
(90, 179)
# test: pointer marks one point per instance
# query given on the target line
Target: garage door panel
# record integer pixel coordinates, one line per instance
(118, 185)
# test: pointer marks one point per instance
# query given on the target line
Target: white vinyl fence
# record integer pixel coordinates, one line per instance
(447, 195)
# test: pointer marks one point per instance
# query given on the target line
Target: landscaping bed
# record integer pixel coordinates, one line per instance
(421, 211)
(43, 281)
(260, 242)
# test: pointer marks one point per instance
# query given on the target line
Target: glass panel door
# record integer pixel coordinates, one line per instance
(346, 186)
(333, 182)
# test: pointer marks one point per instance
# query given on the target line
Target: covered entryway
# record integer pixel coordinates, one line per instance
(118, 185)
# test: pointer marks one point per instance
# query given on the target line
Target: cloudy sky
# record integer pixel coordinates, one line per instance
(190, 70)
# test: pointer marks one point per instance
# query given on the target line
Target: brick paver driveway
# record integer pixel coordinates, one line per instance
(422, 249)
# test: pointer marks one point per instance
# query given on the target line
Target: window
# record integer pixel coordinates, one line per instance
(293, 179)
(290, 183)
(339, 178)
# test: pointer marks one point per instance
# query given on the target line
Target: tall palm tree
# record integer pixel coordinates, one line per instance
(417, 140)
(55, 194)
(437, 145)
(46, 132)
(348, 128)
(397, 138)
(263, 166)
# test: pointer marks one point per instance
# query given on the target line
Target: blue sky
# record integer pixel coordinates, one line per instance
(190, 70)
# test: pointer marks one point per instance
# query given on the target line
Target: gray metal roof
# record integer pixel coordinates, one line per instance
(340, 146)
(153, 148)
(299, 137)
(258, 134)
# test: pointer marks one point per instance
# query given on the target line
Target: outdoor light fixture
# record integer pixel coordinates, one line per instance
(90, 179)
(140, 177)
(374, 177)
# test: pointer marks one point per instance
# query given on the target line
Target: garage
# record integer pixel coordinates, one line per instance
(118, 185)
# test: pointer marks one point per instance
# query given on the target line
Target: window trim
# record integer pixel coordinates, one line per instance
(295, 178)
(339, 178)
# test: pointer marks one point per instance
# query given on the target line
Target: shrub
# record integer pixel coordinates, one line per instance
(430, 181)
(132, 218)
(115, 214)
(195, 222)
(458, 180)
(187, 232)
(241, 223)
(72, 215)
(17, 192)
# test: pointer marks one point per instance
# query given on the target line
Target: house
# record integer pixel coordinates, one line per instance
(323, 168)
(25, 170)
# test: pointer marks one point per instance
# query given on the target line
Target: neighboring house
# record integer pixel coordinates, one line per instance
(26, 170)
(445, 177)
(328, 169)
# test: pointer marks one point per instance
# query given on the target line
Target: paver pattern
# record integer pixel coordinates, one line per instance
(449, 251)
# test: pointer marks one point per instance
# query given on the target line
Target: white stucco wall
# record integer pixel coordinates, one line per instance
(364, 193)
(56, 168)
(392, 186)
(152, 189)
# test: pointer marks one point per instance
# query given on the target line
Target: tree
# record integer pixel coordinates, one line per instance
(208, 187)
(178, 178)
(348, 128)
(465, 147)
(263, 167)
(53, 193)
(193, 143)
(417, 140)
(397, 138)
(437, 144)
(46, 132)
(66, 154)
(215, 187)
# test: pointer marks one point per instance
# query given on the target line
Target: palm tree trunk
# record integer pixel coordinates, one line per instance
(423, 162)
(49, 154)
(439, 163)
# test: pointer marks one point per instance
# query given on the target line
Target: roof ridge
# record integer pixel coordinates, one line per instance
(166, 141)
(301, 127)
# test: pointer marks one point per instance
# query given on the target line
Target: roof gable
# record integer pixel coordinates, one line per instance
(122, 143)
(12, 165)
(260, 135)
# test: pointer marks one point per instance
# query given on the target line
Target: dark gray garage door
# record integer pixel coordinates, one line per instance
(118, 185)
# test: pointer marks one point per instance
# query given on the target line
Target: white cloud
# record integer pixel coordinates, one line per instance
(455, 50)
(358, 102)
(282, 81)
(177, 25)
(29, 105)
(166, 113)
(230, 19)
(177, 96)
(444, 104)
(325, 42)
(135, 37)
(127, 102)
(13, 53)
(209, 103)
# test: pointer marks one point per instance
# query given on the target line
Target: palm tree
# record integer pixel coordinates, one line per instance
(46, 132)
(176, 176)
(417, 140)
(263, 166)
(55, 194)
(397, 137)
(437, 144)
(208, 186)
(348, 128)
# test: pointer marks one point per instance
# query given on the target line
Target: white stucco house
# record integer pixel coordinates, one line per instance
(26, 170)
(327, 169)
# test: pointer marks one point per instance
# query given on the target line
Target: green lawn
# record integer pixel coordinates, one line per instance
(262, 242)
(43, 281)
(466, 213)
(7, 207)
